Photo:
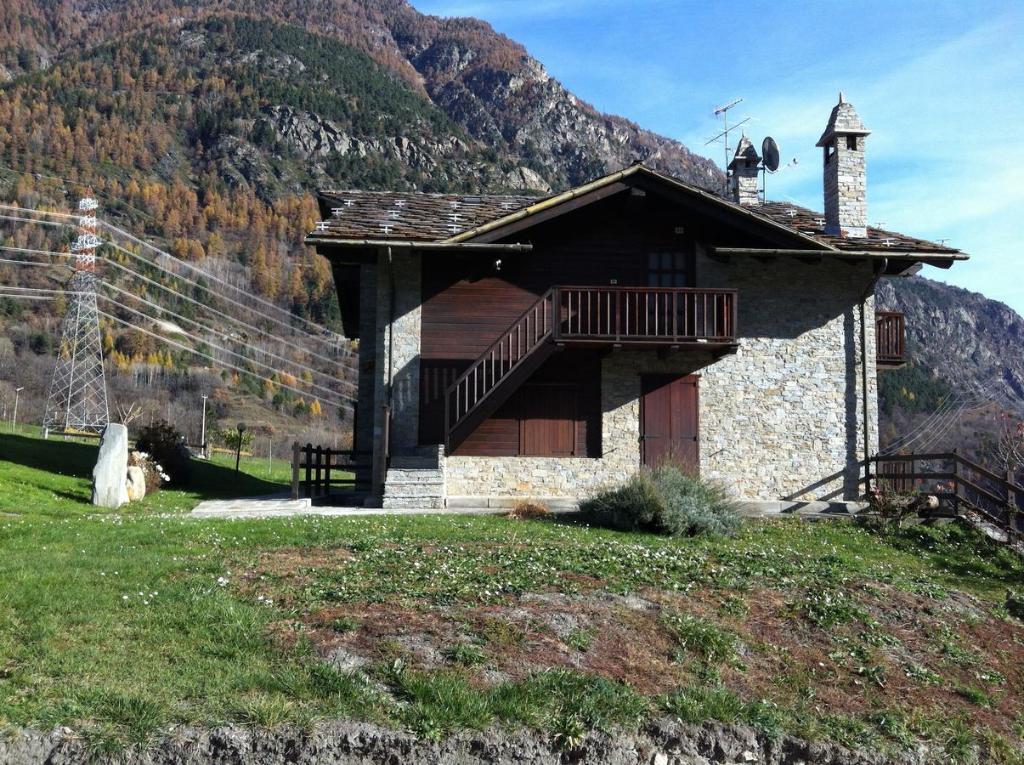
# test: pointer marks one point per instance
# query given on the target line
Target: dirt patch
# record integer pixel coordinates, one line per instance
(943, 655)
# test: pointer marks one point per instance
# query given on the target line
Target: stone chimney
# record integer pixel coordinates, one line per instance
(743, 174)
(846, 204)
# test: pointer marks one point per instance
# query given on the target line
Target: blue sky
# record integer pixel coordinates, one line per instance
(940, 84)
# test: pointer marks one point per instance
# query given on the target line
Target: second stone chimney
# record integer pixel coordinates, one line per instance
(846, 204)
(743, 174)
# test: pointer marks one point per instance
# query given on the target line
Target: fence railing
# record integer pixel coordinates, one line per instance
(641, 314)
(960, 483)
(316, 470)
(890, 338)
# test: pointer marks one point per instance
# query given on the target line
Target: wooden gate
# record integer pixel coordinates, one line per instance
(669, 427)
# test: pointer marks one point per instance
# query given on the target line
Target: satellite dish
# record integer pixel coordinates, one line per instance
(770, 152)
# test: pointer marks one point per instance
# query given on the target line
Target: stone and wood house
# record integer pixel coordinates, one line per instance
(515, 347)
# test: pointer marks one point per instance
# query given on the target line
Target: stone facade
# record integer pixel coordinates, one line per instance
(782, 418)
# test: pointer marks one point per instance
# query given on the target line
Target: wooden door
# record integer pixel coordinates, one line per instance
(669, 429)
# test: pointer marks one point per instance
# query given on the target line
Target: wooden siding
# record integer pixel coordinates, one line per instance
(509, 431)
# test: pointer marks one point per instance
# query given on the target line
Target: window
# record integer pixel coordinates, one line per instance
(668, 269)
(851, 142)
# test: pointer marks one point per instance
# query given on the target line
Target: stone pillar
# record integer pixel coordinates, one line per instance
(403, 341)
(365, 410)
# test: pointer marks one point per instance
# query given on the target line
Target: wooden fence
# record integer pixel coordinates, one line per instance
(962, 485)
(318, 470)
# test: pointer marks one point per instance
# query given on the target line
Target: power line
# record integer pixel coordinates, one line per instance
(220, 348)
(344, 360)
(179, 316)
(228, 317)
(163, 339)
(211, 331)
(185, 264)
(197, 285)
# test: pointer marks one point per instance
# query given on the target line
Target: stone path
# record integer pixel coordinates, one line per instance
(283, 507)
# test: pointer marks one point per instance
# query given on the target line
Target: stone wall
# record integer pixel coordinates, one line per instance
(782, 418)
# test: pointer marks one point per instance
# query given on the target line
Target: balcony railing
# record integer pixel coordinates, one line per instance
(890, 339)
(644, 315)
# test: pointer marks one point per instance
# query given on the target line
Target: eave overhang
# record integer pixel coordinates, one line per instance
(412, 244)
(899, 260)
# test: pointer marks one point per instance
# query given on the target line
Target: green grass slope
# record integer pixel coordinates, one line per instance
(119, 624)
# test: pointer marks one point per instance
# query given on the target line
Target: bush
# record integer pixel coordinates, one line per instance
(166, 446)
(664, 501)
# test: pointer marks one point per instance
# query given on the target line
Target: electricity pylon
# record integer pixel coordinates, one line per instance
(78, 390)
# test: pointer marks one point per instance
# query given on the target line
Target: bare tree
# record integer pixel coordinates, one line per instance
(127, 414)
(1008, 448)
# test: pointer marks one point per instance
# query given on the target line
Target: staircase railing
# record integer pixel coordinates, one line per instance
(524, 336)
(971, 490)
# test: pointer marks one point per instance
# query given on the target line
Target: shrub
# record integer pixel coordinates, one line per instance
(664, 501)
(695, 506)
(166, 446)
(636, 505)
(155, 473)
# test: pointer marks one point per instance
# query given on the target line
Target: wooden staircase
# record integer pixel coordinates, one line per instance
(496, 374)
(663, 318)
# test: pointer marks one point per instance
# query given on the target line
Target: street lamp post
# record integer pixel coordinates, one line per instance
(202, 438)
(14, 419)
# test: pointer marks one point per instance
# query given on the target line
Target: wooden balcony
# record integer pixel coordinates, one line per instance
(645, 317)
(890, 339)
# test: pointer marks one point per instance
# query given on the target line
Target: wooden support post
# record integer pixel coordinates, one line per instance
(957, 488)
(309, 469)
(1011, 507)
(327, 471)
(318, 479)
(295, 469)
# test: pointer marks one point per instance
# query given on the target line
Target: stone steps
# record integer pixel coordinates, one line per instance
(414, 482)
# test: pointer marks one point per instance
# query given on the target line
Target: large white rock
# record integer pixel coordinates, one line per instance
(110, 476)
(136, 483)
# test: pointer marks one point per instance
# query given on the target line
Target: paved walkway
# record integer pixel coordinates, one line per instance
(283, 507)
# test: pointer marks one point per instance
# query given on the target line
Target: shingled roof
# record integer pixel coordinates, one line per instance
(813, 224)
(370, 217)
(409, 215)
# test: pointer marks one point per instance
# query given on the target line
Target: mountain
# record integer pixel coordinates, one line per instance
(965, 363)
(500, 96)
(205, 125)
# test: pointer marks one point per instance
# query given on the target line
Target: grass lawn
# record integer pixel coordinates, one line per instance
(121, 623)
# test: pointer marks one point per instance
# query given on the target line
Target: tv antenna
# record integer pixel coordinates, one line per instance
(723, 112)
